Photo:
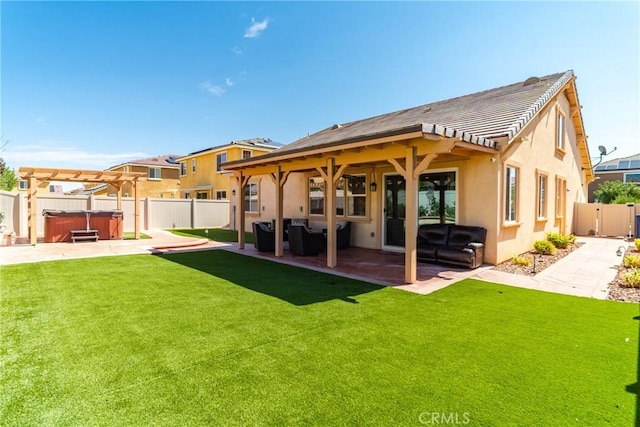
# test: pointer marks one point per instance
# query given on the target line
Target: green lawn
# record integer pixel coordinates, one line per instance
(217, 234)
(218, 338)
(130, 235)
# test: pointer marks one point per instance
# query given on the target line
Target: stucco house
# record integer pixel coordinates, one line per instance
(626, 169)
(201, 174)
(162, 178)
(512, 159)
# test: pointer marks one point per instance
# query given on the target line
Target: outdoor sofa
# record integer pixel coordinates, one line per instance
(451, 244)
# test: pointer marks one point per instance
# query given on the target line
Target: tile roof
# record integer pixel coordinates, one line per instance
(476, 118)
(166, 160)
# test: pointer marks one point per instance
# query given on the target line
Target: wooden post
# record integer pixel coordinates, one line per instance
(330, 197)
(136, 210)
(33, 203)
(411, 217)
(119, 196)
(242, 183)
(277, 178)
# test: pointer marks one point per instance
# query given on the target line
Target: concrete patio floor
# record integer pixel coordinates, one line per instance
(584, 272)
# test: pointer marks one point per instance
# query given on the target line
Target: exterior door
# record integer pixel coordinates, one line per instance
(394, 210)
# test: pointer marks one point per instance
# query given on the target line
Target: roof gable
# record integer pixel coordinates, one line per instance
(477, 118)
(165, 161)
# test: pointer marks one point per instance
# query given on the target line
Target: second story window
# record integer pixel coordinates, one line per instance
(193, 165)
(23, 185)
(560, 131)
(246, 154)
(220, 159)
(183, 168)
(154, 173)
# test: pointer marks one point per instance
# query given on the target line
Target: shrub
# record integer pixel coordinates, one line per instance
(632, 261)
(572, 238)
(637, 243)
(558, 240)
(631, 278)
(520, 260)
(544, 247)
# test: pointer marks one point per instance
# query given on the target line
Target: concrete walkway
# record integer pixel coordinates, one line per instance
(160, 241)
(584, 272)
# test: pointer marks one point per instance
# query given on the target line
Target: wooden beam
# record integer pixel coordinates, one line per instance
(402, 171)
(136, 210)
(279, 250)
(423, 165)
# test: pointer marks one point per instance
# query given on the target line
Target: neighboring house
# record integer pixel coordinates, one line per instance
(162, 181)
(626, 169)
(43, 187)
(513, 160)
(201, 176)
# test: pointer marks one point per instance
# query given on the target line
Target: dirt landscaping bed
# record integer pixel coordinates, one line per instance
(538, 262)
(618, 291)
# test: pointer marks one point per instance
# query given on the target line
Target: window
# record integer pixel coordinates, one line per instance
(251, 197)
(183, 168)
(221, 194)
(316, 196)
(351, 196)
(561, 194)
(632, 177)
(560, 131)
(246, 154)
(154, 173)
(203, 195)
(126, 169)
(511, 194)
(541, 207)
(187, 195)
(23, 184)
(356, 194)
(220, 159)
(193, 165)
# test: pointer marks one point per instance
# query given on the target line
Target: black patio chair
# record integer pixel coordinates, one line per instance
(264, 239)
(303, 241)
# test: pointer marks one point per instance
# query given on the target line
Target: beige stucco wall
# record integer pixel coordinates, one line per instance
(165, 187)
(537, 151)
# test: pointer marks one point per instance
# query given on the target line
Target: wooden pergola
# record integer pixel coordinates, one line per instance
(35, 175)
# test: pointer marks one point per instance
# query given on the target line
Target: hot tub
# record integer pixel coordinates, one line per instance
(59, 224)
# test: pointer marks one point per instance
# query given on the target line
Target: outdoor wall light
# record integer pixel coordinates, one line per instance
(233, 192)
(621, 250)
(373, 186)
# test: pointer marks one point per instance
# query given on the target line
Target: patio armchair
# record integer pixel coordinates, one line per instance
(264, 239)
(303, 241)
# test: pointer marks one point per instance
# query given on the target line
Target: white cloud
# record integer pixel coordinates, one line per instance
(237, 50)
(56, 154)
(212, 89)
(256, 28)
(229, 81)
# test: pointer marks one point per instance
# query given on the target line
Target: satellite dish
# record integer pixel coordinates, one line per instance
(603, 151)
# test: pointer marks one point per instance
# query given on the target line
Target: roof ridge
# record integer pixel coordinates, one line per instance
(538, 104)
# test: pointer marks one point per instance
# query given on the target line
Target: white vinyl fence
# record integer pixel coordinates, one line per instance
(597, 219)
(154, 213)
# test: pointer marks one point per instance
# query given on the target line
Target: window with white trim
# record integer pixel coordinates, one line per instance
(221, 194)
(155, 173)
(511, 194)
(220, 159)
(246, 154)
(541, 192)
(560, 131)
(351, 196)
(183, 168)
(193, 165)
(23, 184)
(251, 197)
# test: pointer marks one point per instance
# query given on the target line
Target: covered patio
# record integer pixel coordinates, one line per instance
(409, 151)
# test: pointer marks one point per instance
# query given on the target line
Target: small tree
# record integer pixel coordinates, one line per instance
(8, 178)
(617, 192)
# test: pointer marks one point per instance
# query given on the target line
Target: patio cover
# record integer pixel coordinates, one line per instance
(34, 175)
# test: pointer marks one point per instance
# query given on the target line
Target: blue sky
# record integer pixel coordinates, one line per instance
(92, 84)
